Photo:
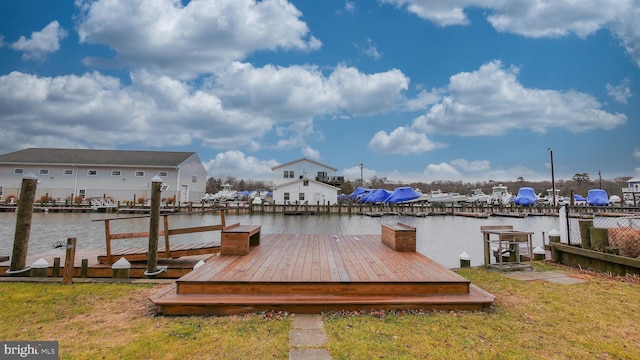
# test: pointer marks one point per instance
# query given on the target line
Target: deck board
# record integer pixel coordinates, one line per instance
(304, 272)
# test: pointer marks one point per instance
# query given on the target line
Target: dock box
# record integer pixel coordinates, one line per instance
(236, 239)
(399, 237)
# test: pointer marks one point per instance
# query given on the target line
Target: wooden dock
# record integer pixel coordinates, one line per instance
(313, 273)
(94, 269)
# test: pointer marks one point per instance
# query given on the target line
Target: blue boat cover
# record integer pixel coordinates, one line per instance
(526, 196)
(577, 197)
(597, 197)
(376, 196)
(402, 194)
(358, 192)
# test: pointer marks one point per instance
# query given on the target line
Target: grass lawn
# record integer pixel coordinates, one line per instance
(598, 319)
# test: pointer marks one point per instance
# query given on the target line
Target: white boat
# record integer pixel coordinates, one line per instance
(437, 196)
(478, 196)
(500, 195)
(223, 195)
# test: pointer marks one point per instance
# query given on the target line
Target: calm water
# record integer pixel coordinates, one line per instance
(442, 238)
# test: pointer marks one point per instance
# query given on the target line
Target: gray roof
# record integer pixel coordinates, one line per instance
(304, 159)
(96, 157)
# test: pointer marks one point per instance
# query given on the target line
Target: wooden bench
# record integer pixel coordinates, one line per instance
(236, 239)
(399, 237)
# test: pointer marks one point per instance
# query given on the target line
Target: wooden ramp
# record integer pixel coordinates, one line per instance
(314, 273)
(175, 251)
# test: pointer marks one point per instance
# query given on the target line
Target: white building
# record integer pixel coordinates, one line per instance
(632, 190)
(305, 181)
(117, 174)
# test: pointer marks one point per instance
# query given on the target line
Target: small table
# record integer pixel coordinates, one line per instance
(507, 240)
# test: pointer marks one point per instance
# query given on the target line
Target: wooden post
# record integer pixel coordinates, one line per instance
(56, 267)
(23, 222)
(69, 260)
(154, 225)
(84, 269)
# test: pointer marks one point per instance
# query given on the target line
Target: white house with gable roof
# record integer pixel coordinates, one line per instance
(115, 174)
(305, 181)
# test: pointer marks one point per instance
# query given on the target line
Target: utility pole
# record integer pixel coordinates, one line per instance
(361, 175)
(600, 178)
(553, 179)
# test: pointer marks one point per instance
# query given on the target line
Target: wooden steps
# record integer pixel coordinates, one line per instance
(314, 273)
(171, 303)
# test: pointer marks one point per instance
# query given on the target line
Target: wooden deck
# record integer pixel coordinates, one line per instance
(175, 267)
(175, 251)
(313, 273)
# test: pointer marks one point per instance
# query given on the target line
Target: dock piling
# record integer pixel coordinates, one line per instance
(69, 261)
(23, 223)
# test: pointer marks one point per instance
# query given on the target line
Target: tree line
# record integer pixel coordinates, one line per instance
(580, 183)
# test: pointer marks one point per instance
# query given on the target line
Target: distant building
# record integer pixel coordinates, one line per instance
(631, 194)
(305, 181)
(117, 174)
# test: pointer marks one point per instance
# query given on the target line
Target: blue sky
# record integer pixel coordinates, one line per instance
(469, 90)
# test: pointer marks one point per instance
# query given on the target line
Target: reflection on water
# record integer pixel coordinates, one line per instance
(442, 238)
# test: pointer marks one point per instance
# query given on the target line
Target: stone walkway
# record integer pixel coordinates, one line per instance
(307, 338)
(557, 276)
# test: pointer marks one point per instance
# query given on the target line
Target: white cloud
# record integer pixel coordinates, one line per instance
(354, 173)
(403, 141)
(94, 110)
(301, 92)
(541, 18)
(472, 166)
(423, 100)
(442, 171)
(369, 49)
(349, 6)
(491, 101)
(236, 163)
(479, 170)
(41, 42)
(621, 92)
(636, 153)
(186, 40)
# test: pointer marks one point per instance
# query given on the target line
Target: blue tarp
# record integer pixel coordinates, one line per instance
(402, 194)
(376, 196)
(243, 192)
(526, 196)
(597, 197)
(577, 197)
(358, 192)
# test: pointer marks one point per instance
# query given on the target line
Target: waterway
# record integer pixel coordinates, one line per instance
(442, 238)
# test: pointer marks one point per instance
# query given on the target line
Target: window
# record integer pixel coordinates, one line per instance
(288, 174)
(163, 173)
(322, 174)
(92, 172)
(116, 172)
(82, 193)
(194, 179)
(18, 171)
(43, 172)
(67, 172)
(301, 196)
(1, 190)
(305, 183)
(286, 196)
(139, 173)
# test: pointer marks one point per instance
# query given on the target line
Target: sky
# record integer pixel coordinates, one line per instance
(410, 90)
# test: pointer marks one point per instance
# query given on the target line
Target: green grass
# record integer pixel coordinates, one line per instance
(116, 321)
(531, 320)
